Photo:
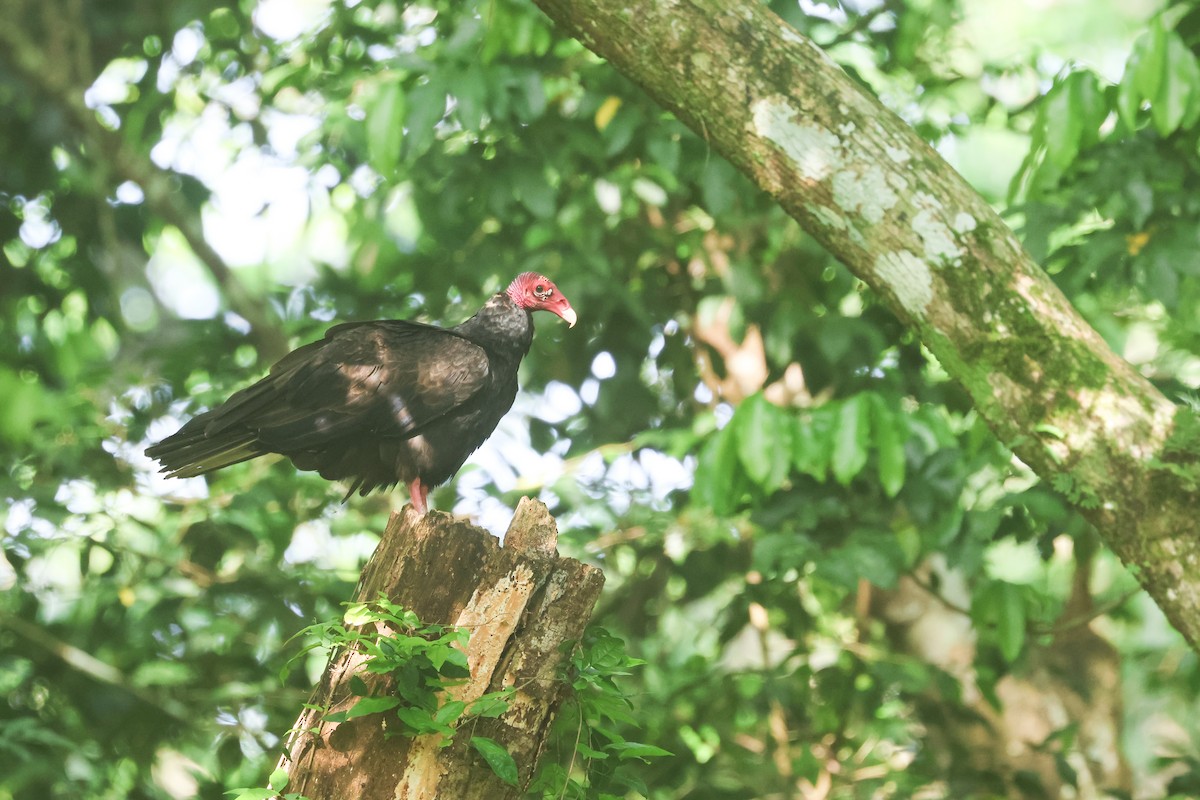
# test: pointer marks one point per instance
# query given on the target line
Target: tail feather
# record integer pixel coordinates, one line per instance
(241, 407)
(191, 451)
(219, 437)
(298, 411)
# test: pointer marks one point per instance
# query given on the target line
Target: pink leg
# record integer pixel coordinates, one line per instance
(419, 494)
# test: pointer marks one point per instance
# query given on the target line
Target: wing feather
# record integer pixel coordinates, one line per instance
(364, 381)
(388, 379)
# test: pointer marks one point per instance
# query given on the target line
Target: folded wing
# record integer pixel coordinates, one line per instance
(330, 404)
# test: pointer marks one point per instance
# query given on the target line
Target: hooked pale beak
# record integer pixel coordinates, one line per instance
(568, 315)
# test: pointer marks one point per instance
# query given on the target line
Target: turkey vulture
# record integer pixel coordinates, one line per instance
(377, 403)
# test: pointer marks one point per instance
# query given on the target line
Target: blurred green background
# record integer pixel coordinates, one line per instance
(842, 585)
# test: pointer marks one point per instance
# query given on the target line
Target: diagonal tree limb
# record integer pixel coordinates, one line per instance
(864, 185)
(87, 664)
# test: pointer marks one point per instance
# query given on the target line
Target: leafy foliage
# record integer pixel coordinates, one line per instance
(592, 729)
(827, 564)
(419, 660)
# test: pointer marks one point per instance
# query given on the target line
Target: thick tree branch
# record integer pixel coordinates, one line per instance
(883, 202)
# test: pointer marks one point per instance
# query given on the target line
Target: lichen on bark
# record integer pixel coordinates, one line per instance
(780, 110)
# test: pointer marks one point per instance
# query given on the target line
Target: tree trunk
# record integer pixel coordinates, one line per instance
(865, 185)
(521, 602)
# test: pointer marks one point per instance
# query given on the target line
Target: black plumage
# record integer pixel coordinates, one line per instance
(377, 403)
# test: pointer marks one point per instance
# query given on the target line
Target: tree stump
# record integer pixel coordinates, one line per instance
(521, 603)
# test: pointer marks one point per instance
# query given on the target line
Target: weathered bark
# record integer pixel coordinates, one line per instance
(521, 603)
(864, 184)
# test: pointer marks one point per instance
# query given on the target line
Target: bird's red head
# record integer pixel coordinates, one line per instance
(536, 292)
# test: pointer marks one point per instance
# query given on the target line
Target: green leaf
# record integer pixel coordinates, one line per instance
(470, 94)
(385, 127)
(717, 184)
(497, 758)
(279, 779)
(874, 555)
(421, 721)
(492, 704)
(1088, 101)
(455, 664)
(426, 107)
(222, 25)
(1162, 71)
(850, 439)
(716, 483)
(1179, 86)
(450, 712)
(1003, 604)
(529, 100)
(763, 441)
(437, 655)
(1069, 120)
(371, 705)
(357, 614)
(663, 147)
(605, 651)
(811, 443)
(1010, 623)
(533, 190)
(1061, 124)
(588, 752)
(626, 750)
(614, 707)
(891, 433)
(1143, 71)
(251, 794)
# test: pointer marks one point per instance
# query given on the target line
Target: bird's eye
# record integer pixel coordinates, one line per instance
(542, 291)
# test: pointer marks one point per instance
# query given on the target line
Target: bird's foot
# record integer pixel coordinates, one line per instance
(419, 493)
